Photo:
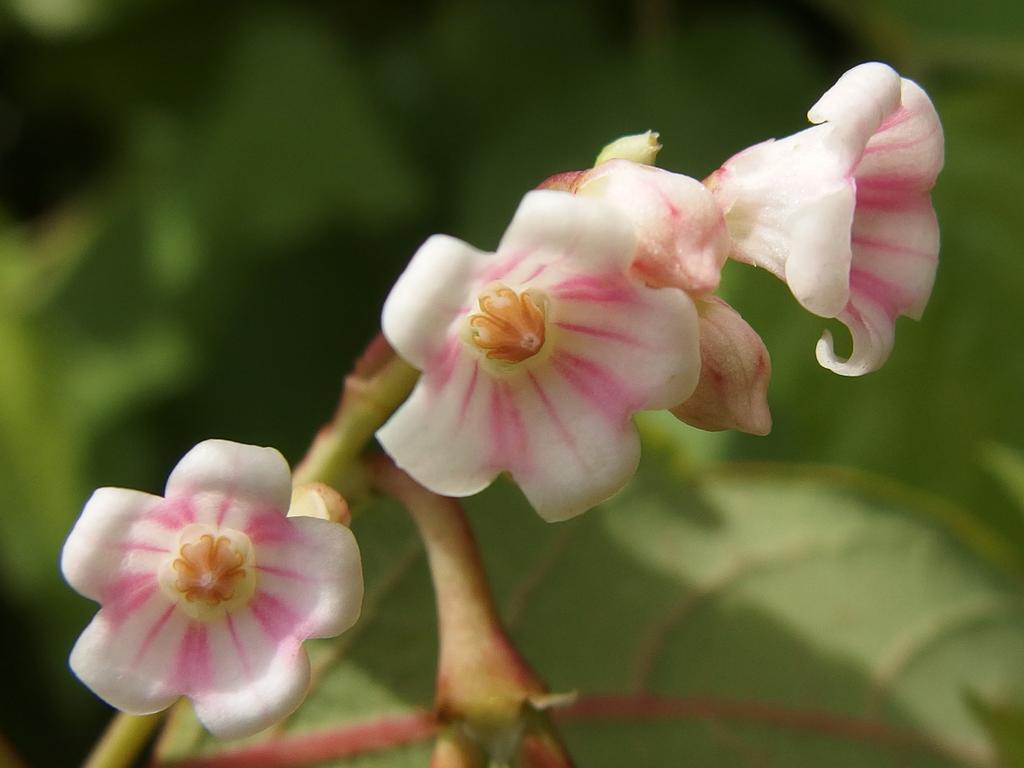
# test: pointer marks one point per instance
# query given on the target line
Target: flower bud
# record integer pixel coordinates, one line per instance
(735, 368)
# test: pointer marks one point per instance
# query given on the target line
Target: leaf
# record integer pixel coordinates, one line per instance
(755, 615)
(1007, 466)
(1005, 722)
(293, 141)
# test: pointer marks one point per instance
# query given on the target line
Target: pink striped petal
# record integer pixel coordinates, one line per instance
(225, 468)
(320, 575)
(681, 235)
(254, 679)
(553, 224)
(107, 539)
(125, 659)
(428, 297)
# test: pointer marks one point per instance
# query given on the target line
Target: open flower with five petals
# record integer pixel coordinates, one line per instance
(842, 211)
(209, 591)
(535, 358)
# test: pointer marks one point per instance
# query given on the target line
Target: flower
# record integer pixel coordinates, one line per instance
(535, 358)
(841, 211)
(209, 591)
(683, 243)
(680, 233)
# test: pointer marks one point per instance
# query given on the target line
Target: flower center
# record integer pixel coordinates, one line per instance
(211, 572)
(209, 569)
(509, 326)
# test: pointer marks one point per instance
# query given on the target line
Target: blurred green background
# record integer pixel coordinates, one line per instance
(202, 206)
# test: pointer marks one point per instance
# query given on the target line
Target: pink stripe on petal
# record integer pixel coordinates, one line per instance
(173, 514)
(887, 200)
(142, 546)
(596, 288)
(285, 573)
(222, 509)
(126, 594)
(889, 297)
(563, 432)
(153, 631)
(597, 384)
(441, 366)
(891, 247)
(898, 117)
(269, 527)
(467, 396)
(603, 333)
(507, 431)
(243, 656)
(503, 267)
(902, 183)
(192, 664)
(279, 620)
(535, 274)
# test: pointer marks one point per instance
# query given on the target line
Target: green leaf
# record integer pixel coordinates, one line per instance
(1007, 466)
(1005, 722)
(764, 615)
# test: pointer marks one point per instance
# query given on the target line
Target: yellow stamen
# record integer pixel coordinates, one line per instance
(209, 569)
(509, 327)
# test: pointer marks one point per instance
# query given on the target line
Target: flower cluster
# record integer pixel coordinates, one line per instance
(599, 300)
(210, 590)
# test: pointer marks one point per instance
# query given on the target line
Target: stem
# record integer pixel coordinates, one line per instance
(481, 676)
(380, 382)
(123, 740)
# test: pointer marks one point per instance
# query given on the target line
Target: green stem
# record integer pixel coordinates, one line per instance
(379, 384)
(123, 740)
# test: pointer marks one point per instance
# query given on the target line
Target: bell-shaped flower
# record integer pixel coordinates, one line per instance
(842, 212)
(209, 591)
(535, 358)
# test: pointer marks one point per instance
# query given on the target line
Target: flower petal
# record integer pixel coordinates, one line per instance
(791, 200)
(125, 660)
(856, 106)
(255, 678)
(319, 574)
(579, 453)
(789, 204)
(429, 294)
(236, 470)
(872, 328)
(650, 339)
(101, 543)
(681, 235)
(552, 222)
(440, 434)
(895, 234)
(734, 374)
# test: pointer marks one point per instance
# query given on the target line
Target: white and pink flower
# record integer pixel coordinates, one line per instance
(682, 243)
(842, 211)
(535, 358)
(209, 591)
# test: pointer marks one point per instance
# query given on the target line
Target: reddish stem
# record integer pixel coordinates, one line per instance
(651, 707)
(387, 733)
(318, 746)
(480, 673)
